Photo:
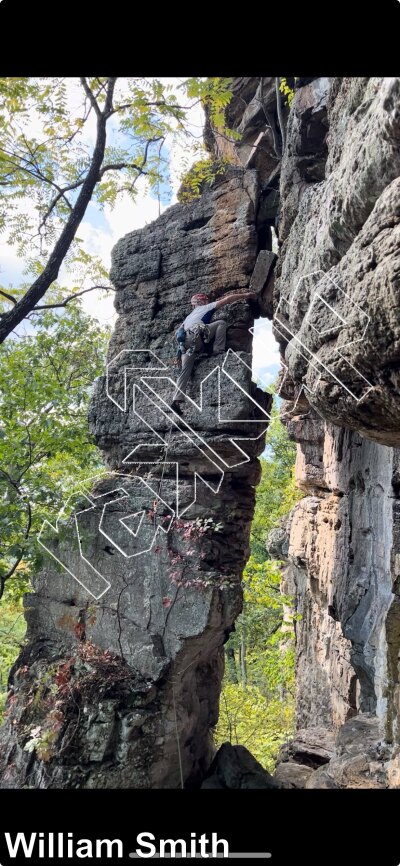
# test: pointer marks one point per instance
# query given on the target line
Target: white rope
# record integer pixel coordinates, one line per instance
(177, 735)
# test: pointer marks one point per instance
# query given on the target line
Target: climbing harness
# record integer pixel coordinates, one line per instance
(200, 330)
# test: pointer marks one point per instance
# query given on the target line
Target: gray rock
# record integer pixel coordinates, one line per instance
(335, 306)
(340, 199)
(340, 236)
(137, 670)
(235, 767)
(312, 747)
(334, 297)
(320, 779)
(292, 775)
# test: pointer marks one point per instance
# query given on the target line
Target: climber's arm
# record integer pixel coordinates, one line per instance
(233, 297)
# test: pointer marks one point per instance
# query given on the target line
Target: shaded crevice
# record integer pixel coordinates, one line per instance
(198, 223)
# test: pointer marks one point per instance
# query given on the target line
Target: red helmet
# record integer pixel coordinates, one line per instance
(201, 298)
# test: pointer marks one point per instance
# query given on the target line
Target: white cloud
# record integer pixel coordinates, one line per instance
(265, 350)
(128, 215)
(100, 307)
(11, 266)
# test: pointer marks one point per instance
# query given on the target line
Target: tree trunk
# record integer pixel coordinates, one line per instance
(242, 657)
(14, 317)
(231, 665)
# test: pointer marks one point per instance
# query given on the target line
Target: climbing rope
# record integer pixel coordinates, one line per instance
(279, 112)
(177, 735)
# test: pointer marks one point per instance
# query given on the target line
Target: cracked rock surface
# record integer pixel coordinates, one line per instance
(336, 306)
(118, 685)
(334, 302)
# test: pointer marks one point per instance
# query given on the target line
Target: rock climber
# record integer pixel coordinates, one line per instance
(190, 334)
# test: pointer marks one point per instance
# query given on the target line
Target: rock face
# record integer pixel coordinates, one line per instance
(336, 306)
(234, 767)
(119, 683)
(341, 544)
(334, 302)
(339, 271)
(300, 760)
(120, 688)
(253, 113)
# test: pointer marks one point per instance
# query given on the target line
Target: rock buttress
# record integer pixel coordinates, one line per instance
(118, 684)
(333, 197)
(336, 306)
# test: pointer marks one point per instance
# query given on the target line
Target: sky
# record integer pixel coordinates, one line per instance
(101, 229)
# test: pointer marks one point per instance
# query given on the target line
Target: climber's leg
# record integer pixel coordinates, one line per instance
(218, 331)
(187, 367)
(184, 376)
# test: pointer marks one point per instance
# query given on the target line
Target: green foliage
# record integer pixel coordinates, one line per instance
(215, 95)
(12, 631)
(45, 449)
(248, 718)
(46, 143)
(202, 173)
(44, 127)
(276, 492)
(65, 143)
(257, 702)
(287, 91)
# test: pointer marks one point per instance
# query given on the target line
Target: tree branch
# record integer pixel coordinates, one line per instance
(9, 297)
(49, 274)
(37, 174)
(91, 97)
(118, 165)
(158, 103)
(139, 168)
(109, 97)
(70, 298)
(10, 572)
(56, 199)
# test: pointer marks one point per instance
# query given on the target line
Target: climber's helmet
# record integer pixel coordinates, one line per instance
(199, 300)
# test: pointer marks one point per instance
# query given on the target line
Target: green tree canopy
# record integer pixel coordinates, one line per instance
(257, 702)
(45, 448)
(67, 142)
(277, 492)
